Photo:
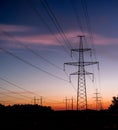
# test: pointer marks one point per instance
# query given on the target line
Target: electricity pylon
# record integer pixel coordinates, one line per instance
(98, 101)
(81, 89)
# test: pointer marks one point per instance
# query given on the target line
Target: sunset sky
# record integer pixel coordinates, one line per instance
(36, 37)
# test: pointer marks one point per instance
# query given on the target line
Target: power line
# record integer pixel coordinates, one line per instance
(32, 65)
(11, 96)
(14, 92)
(35, 53)
(15, 85)
(77, 16)
(84, 5)
(30, 50)
(55, 22)
(86, 14)
(85, 9)
(57, 25)
(45, 23)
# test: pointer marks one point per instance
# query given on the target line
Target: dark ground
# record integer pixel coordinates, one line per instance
(47, 119)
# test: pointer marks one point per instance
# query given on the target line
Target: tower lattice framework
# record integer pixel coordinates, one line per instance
(81, 73)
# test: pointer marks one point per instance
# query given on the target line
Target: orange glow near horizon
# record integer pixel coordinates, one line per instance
(61, 105)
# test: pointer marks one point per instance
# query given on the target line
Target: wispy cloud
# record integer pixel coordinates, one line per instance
(101, 40)
(48, 39)
(8, 34)
(38, 39)
(97, 38)
(13, 28)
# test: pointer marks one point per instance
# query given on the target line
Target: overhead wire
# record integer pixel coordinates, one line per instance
(17, 86)
(75, 12)
(10, 53)
(30, 3)
(58, 26)
(12, 96)
(30, 49)
(32, 65)
(14, 92)
(35, 53)
(55, 22)
(84, 5)
(85, 9)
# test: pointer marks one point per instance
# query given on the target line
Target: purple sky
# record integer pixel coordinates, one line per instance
(35, 42)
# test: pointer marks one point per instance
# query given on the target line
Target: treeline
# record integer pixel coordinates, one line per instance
(31, 108)
(36, 117)
(24, 108)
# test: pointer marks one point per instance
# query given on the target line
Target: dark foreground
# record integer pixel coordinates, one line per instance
(47, 119)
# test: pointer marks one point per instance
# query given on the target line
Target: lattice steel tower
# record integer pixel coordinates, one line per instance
(81, 73)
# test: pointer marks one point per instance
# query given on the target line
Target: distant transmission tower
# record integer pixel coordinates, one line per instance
(98, 101)
(81, 89)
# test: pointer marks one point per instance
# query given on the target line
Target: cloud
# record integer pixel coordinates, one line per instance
(30, 40)
(30, 37)
(9, 33)
(97, 38)
(13, 28)
(101, 40)
(38, 39)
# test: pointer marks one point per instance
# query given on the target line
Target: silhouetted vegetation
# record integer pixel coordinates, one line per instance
(114, 106)
(35, 117)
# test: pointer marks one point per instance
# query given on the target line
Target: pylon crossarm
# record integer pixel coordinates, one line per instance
(79, 73)
(79, 63)
(81, 50)
(90, 63)
(71, 63)
(81, 83)
(88, 73)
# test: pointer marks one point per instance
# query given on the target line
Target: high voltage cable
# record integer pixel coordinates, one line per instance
(55, 22)
(11, 96)
(45, 23)
(13, 84)
(24, 60)
(32, 65)
(85, 9)
(79, 23)
(5, 101)
(84, 4)
(14, 92)
(30, 50)
(77, 16)
(35, 53)
(17, 86)
(57, 25)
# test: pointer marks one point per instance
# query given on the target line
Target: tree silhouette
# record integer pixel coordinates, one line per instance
(114, 106)
(115, 100)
